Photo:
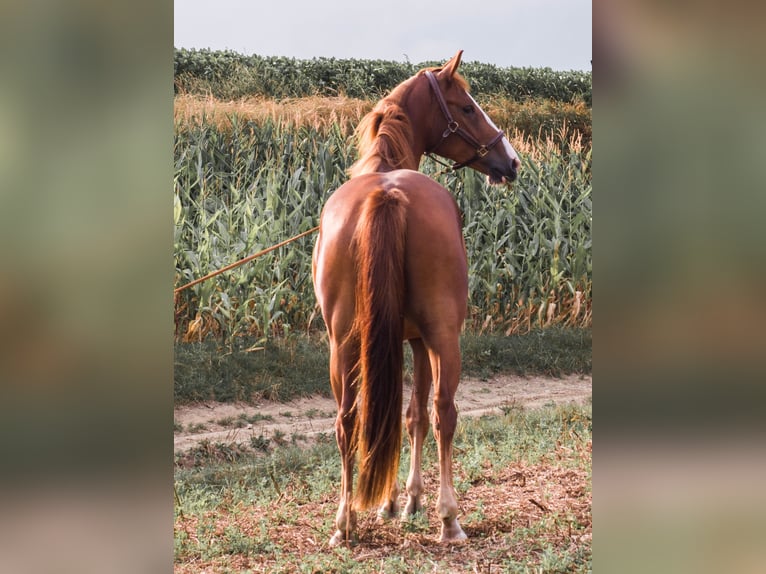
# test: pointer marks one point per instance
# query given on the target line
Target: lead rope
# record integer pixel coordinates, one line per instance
(449, 168)
(245, 260)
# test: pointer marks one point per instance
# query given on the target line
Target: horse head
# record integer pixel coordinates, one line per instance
(461, 131)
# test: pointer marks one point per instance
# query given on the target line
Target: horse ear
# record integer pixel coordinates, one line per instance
(451, 67)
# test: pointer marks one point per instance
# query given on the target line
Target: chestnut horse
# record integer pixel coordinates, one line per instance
(390, 265)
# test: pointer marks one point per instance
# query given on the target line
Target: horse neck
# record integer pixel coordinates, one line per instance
(421, 122)
(410, 101)
(381, 155)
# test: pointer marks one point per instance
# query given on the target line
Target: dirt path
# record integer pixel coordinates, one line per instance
(304, 418)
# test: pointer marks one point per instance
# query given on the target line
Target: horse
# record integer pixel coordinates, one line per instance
(389, 266)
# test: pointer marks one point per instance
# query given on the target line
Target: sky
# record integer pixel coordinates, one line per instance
(519, 33)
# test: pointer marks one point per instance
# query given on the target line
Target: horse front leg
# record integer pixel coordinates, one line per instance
(446, 370)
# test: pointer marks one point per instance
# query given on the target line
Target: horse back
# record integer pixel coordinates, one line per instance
(434, 255)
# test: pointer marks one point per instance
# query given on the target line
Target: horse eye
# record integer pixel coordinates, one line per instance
(468, 109)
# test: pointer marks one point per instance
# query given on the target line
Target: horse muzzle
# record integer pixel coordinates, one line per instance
(507, 174)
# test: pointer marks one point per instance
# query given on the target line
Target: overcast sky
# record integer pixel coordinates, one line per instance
(537, 33)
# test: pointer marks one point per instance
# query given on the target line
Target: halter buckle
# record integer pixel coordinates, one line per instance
(482, 151)
(452, 127)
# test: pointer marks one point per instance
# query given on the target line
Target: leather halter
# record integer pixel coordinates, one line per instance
(454, 128)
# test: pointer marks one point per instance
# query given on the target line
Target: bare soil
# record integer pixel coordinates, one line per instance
(307, 417)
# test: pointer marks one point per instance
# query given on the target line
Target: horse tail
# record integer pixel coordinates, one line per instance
(379, 241)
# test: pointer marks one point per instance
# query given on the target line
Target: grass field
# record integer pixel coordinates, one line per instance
(283, 369)
(523, 482)
(523, 478)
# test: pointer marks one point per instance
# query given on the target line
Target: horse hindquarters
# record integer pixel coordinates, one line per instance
(437, 292)
(379, 244)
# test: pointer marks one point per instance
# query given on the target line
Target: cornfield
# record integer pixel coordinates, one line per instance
(246, 184)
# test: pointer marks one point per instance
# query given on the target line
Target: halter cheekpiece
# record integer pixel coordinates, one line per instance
(454, 128)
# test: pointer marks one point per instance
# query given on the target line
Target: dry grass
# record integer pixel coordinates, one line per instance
(542, 118)
(316, 112)
(552, 502)
(531, 119)
(538, 147)
(524, 492)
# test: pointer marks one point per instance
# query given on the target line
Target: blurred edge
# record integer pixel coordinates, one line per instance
(85, 290)
(679, 370)
(85, 301)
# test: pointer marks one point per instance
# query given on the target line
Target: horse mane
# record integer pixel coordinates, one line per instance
(385, 137)
(385, 140)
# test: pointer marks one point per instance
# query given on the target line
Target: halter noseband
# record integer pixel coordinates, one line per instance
(454, 128)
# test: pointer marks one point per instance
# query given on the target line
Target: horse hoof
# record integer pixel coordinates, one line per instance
(452, 533)
(411, 510)
(386, 513)
(340, 539)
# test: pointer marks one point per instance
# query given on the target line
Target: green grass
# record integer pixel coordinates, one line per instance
(271, 508)
(298, 366)
(552, 351)
(282, 369)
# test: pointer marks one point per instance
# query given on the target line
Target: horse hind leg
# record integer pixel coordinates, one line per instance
(417, 426)
(345, 518)
(445, 365)
(390, 508)
(341, 377)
